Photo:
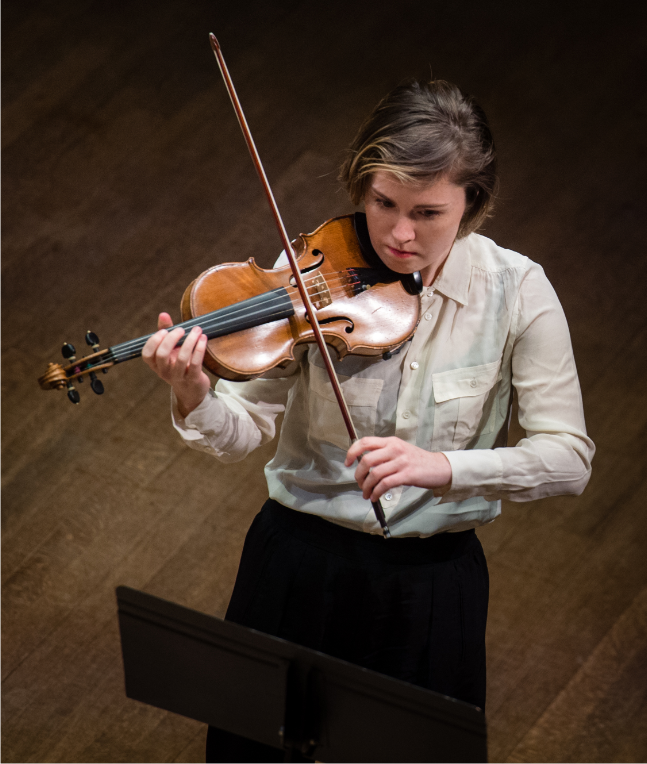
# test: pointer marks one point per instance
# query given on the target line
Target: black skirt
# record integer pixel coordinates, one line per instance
(412, 608)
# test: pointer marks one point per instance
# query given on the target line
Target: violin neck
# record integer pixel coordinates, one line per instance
(266, 307)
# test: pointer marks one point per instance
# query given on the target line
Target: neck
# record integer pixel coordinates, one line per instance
(266, 307)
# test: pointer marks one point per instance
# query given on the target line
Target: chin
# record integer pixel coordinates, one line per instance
(400, 266)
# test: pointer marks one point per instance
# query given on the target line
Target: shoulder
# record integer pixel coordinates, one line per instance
(487, 255)
(512, 269)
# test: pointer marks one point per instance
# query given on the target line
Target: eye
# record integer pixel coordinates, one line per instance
(429, 214)
(380, 202)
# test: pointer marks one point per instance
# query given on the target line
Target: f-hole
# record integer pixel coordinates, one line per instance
(348, 329)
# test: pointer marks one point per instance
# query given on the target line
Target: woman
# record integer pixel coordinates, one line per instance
(432, 421)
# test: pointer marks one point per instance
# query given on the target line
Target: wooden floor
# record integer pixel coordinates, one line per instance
(125, 176)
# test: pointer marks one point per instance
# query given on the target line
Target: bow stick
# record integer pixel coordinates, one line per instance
(289, 251)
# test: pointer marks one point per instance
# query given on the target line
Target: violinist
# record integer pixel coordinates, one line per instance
(432, 422)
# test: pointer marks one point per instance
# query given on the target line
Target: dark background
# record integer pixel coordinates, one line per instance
(125, 176)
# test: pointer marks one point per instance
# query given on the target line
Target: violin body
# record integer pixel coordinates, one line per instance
(356, 317)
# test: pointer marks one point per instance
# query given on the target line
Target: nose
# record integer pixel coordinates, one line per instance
(403, 230)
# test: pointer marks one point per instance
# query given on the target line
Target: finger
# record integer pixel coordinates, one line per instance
(368, 460)
(361, 473)
(164, 356)
(197, 359)
(394, 469)
(360, 447)
(388, 451)
(367, 484)
(152, 344)
(164, 321)
(185, 353)
(364, 477)
(370, 478)
(379, 489)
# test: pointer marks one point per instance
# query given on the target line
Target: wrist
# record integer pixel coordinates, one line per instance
(444, 473)
(185, 405)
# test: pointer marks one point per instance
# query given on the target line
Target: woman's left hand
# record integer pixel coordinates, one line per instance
(390, 462)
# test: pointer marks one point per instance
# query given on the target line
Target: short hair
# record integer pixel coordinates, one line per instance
(421, 132)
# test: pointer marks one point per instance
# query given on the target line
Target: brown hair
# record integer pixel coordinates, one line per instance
(421, 132)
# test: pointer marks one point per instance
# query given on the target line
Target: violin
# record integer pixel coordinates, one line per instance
(335, 292)
(253, 317)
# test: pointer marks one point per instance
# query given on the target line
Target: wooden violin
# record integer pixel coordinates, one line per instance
(254, 317)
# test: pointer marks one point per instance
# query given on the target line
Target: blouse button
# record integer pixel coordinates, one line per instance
(428, 316)
(388, 496)
(472, 383)
(414, 365)
(406, 414)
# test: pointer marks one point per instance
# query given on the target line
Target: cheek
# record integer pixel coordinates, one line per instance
(376, 225)
(439, 238)
(441, 231)
(449, 226)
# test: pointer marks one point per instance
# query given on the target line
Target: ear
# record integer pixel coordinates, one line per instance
(471, 195)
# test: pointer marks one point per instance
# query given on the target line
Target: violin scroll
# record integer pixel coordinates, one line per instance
(60, 377)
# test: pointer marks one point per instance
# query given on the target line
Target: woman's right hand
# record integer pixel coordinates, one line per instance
(180, 366)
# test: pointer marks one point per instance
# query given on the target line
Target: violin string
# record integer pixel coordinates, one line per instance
(135, 346)
(343, 279)
(132, 348)
(243, 309)
(208, 324)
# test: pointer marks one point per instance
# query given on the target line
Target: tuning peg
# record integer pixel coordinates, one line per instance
(69, 352)
(92, 340)
(73, 394)
(96, 384)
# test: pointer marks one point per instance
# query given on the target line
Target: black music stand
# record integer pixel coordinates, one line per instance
(285, 695)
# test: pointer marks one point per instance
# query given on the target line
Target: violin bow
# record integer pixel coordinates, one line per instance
(289, 251)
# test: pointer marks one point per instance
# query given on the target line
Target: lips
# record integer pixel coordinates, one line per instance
(400, 252)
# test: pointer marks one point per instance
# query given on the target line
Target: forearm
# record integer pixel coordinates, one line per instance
(235, 419)
(215, 429)
(538, 466)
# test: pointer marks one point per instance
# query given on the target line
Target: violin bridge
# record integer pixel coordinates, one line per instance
(319, 292)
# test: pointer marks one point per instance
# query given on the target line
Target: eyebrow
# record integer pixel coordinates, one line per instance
(417, 207)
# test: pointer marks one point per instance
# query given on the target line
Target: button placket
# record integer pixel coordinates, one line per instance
(412, 381)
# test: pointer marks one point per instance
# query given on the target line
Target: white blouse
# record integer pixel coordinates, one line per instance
(490, 322)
